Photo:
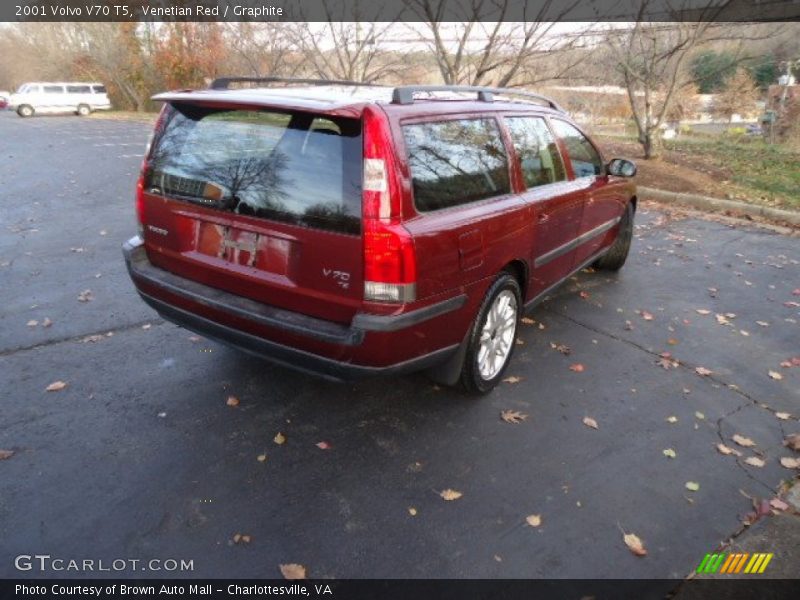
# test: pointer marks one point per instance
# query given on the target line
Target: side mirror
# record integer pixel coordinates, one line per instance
(621, 167)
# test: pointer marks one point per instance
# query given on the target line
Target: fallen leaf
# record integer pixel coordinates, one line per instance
(699, 415)
(722, 320)
(762, 323)
(4, 454)
(527, 321)
(703, 371)
(512, 379)
(56, 386)
(743, 441)
(449, 494)
(703, 311)
(293, 571)
(47, 322)
(672, 419)
(792, 441)
(634, 544)
(279, 438)
(754, 461)
(146, 326)
(412, 511)
(534, 520)
(790, 463)
(667, 363)
(562, 348)
(246, 538)
(672, 342)
(577, 367)
(783, 416)
(194, 338)
(92, 338)
(628, 326)
(723, 449)
(647, 316)
(775, 375)
(590, 422)
(162, 415)
(692, 486)
(584, 295)
(232, 401)
(512, 416)
(85, 296)
(670, 453)
(32, 323)
(261, 458)
(323, 445)
(778, 504)
(237, 537)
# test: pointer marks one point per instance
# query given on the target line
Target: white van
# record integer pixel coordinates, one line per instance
(44, 97)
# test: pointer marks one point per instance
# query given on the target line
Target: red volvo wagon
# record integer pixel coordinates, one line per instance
(350, 230)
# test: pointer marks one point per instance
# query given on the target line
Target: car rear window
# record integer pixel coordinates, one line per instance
(297, 168)
(99, 89)
(456, 162)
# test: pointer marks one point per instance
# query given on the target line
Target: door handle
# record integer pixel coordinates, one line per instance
(544, 217)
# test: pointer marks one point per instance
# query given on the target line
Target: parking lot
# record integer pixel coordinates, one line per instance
(141, 456)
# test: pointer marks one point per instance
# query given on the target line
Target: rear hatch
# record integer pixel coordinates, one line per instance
(264, 203)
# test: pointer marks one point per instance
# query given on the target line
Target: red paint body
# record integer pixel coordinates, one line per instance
(458, 250)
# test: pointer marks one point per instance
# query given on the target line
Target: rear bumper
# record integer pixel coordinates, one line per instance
(156, 286)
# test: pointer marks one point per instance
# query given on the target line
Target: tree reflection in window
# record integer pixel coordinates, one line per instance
(291, 167)
(536, 150)
(455, 162)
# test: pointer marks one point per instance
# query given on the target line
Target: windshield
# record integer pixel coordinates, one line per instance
(299, 168)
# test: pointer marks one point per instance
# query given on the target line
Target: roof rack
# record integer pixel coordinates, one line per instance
(405, 94)
(223, 83)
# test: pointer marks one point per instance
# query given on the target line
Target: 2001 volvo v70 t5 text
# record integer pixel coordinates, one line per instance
(351, 230)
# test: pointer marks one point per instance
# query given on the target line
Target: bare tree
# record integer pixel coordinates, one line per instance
(263, 49)
(339, 49)
(485, 49)
(652, 60)
(737, 97)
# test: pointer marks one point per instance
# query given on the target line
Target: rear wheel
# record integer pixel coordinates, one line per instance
(83, 110)
(25, 111)
(492, 338)
(618, 253)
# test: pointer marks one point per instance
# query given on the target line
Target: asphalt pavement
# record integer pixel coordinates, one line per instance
(141, 457)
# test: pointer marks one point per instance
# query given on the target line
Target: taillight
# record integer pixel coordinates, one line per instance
(140, 183)
(390, 265)
(140, 203)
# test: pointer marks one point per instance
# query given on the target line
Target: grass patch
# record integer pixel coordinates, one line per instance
(768, 171)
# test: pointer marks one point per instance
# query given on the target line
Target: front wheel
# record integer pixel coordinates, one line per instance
(25, 111)
(618, 252)
(493, 336)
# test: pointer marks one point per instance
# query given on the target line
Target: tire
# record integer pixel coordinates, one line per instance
(25, 111)
(83, 110)
(618, 253)
(491, 343)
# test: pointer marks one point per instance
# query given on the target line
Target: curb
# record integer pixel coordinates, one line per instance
(717, 204)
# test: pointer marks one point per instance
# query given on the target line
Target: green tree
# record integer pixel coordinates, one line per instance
(712, 69)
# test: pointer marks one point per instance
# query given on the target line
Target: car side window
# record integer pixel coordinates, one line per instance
(456, 162)
(585, 159)
(78, 89)
(536, 150)
(53, 89)
(99, 89)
